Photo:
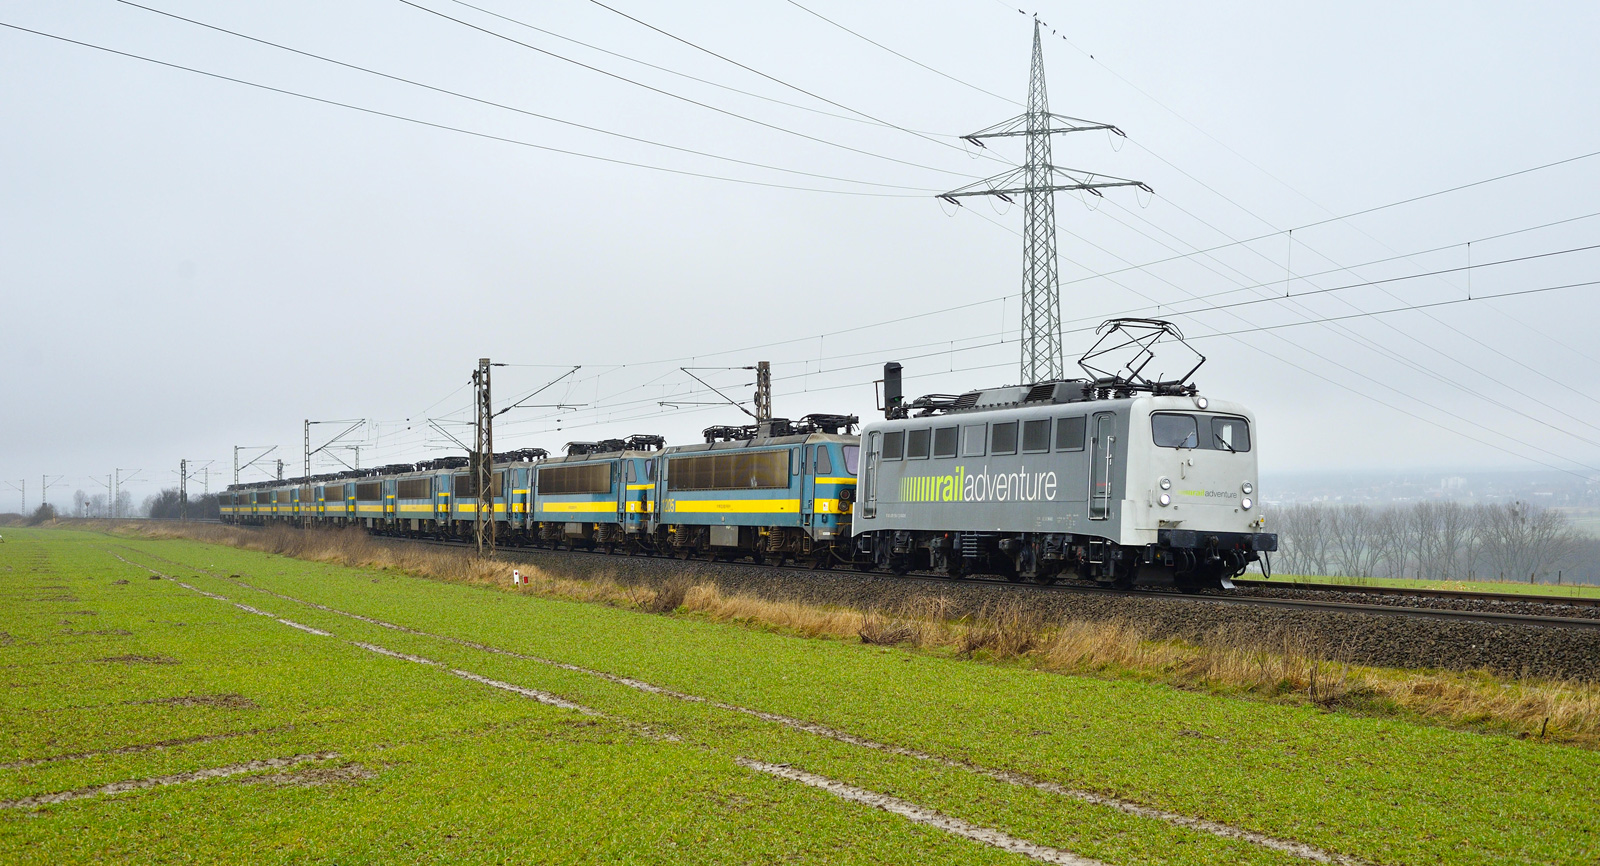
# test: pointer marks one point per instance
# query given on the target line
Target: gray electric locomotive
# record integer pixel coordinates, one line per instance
(1114, 479)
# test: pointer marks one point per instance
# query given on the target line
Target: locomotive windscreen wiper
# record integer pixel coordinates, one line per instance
(1231, 449)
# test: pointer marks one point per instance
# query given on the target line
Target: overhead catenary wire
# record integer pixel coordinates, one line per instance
(1235, 336)
(1344, 331)
(1307, 198)
(1337, 326)
(1201, 251)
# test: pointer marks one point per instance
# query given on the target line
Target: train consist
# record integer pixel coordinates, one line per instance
(1115, 479)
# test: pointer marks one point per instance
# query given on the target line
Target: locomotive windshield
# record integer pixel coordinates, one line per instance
(1175, 431)
(852, 454)
(1214, 432)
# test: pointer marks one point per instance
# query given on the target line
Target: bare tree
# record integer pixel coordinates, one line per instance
(1519, 539)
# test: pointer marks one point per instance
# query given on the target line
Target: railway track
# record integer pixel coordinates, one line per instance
(1476, 595)
(1296, 604)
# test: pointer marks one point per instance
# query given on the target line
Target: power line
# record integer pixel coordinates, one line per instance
(1274, 234)
(705, 81)
(512, 108)
(446, 127)
(773, 79)
(680, 97)
(902, 56)
(1336, 326)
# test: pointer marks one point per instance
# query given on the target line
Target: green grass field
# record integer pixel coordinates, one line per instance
(501, 727)
(1584, 591)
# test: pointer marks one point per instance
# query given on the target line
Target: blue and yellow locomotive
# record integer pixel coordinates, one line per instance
(776, 490)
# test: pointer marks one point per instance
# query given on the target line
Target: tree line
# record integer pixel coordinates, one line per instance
(1513, 541)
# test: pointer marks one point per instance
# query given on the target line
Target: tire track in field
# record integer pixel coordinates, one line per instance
(1215, 828)
(161, 781)
(535, 694)
(911, 811)
(140, 747)
(922, 815)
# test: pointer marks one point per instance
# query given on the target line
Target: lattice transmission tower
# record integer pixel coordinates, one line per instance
(1036, 181)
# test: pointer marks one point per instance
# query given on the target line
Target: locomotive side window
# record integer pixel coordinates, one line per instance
(917, 444)
(1175, 431)
(1036, 436)
(1004, 440)
(973, 439)
(582, 478)
(1230, 434)
(824, 463)
(944, 442)
(894, 445)
(763, 469)
(1069, 434)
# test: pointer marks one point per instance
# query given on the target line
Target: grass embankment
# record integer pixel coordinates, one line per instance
(1573, 590)
(1292, 671)
(431, 766)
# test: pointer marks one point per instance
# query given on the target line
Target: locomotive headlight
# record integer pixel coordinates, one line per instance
(1248, 488)
(1164, 499)
(1201, 402)
(1166, 484)
(1246, 502)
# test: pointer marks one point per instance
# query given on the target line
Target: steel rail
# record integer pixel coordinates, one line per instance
(1424, 592)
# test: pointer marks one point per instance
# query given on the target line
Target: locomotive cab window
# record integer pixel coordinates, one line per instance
(894, 445)
(1036, 436)
(1175, 431)
(1004, 439)
(917, 444)
(944, 442)
(852, 457)
(824, 463)
(1230, 434)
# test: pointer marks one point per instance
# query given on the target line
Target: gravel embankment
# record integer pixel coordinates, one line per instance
(1372, 639)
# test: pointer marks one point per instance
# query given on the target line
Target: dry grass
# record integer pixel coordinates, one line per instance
(1288, 668)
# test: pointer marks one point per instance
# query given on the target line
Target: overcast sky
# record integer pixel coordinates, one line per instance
(188, 263)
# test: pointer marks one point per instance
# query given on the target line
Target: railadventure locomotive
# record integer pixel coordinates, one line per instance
(1115, 479)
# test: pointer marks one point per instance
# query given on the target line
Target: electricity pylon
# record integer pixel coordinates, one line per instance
(1037, 180)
